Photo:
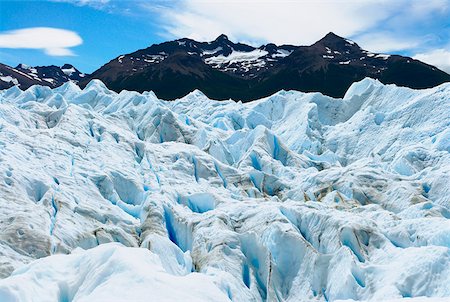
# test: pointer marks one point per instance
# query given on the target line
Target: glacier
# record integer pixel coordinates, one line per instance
(111, 196)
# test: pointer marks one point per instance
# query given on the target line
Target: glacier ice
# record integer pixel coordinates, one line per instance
(293, 197)
(105, 274)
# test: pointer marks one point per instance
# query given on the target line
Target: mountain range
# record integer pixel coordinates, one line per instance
(223, 69)
(25, 76)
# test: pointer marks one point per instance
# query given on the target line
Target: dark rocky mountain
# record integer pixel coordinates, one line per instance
(333, 63)
(10, 77)
(25, 76)
(223, 69)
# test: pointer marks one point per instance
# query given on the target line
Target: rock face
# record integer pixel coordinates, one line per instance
(223, 69)
(25, 76)
(293, 197)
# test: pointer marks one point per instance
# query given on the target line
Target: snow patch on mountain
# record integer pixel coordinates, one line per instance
(9, 79)
(281, 53)
(237, 57)
(383, 56)
(68, 71)
(211, 52)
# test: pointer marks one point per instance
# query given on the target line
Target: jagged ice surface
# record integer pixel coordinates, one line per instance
(294, 197)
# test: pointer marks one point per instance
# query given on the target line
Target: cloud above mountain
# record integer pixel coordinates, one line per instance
(53, 41)
(98, 4)
(438, 57)
(291, 22)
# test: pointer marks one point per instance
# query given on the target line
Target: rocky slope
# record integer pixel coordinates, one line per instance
(223, 69)
(25, 76)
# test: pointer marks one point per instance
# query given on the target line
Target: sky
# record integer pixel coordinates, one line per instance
(90, 33)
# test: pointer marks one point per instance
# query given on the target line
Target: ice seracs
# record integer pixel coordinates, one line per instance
(293, 197)
(110, 272)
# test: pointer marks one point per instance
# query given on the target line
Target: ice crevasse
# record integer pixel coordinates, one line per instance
(110, 196)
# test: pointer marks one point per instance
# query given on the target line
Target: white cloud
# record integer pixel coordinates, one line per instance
(88, 2)
(385, 42)
(438, 57)
(54, 41)
(98, 4)
(424, 8)
(295, 22)
(301, 22)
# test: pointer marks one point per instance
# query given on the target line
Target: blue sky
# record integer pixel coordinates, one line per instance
(89, 33)
(105, 34)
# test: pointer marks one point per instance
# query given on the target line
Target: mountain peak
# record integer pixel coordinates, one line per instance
(222, 37)
(67, 66)
(332, 40)
(331, 37)
(22, 66)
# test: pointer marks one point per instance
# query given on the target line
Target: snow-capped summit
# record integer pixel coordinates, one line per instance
(25, 76)
(55, 75)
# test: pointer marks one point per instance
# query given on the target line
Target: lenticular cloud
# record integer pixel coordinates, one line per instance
(54, 41)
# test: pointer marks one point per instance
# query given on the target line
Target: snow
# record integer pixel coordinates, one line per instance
(349, 42)
(154, 58)
(50, 80)
(31, 76)
(245, 61)
(293, 197)
(382, 56)
(102, 274)
(211, 52)
(8, 79)
(68, 72)
(281, 53)
(237, 57)
(24, 66)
